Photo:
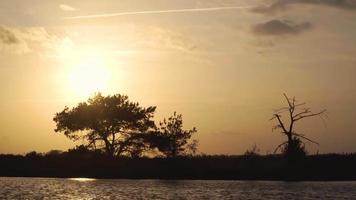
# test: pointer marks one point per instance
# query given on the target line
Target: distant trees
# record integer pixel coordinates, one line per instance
(33, 155)
(171, 139)
(252, 152)
(118, 126)
(111, 123)
(294, 146)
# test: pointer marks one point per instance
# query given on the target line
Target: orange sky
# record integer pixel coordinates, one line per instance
(223, 64)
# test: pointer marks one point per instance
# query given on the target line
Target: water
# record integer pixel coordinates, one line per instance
(58, 188)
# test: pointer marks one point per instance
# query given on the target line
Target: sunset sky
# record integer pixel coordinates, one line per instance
(223, 64)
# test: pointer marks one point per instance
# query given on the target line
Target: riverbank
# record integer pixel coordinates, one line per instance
(326, 167)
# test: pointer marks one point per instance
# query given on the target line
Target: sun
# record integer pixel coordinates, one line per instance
(88, 76)
(84, 70)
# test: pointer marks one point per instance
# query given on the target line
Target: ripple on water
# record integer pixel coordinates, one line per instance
(84, 188)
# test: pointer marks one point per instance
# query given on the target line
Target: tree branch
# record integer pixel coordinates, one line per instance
(306, 110)
(281, 123)
(302, 136)
(279, 146)
(309, 115)
(288, 101)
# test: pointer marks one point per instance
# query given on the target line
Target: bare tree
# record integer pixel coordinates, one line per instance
(294, 112)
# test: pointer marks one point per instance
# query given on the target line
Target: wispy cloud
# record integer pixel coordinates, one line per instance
(24, 39)
(7, 36)
(159, 38)
(66, 7)
(280, 27)
(159, 12)
(281, 5)
(10, 41)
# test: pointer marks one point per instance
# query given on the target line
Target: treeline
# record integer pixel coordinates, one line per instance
(80, 162)
(121, 140)
(119, 127)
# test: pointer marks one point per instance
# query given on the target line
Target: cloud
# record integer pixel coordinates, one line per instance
(7, 37)
(164, 39)
(10, 41)
(66, 7)
(24, 39)
(38, 34)
(160, 12)
(281, 5)
(279, 27)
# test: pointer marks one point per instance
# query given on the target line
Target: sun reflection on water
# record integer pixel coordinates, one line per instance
(82, 179)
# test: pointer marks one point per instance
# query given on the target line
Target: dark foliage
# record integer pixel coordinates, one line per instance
(110, 123)
(252, 152)
(171, 139)
(81, 162)
(295, 150)
(118, 127)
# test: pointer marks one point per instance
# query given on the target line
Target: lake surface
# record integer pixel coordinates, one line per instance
(59, 188)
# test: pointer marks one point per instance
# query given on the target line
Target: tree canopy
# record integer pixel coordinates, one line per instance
(171, 139)
(111, 123)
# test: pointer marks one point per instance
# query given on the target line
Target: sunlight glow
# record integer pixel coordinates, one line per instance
(82, 179)
(85, 70)
(89, 76)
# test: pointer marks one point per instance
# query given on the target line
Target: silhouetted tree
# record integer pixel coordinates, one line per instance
(294, 146)
(80, 149)
(54, 153)
(171, 139)
(137, 144)
(33, 155)
(252, 152)
(110, 123)
(295, 149)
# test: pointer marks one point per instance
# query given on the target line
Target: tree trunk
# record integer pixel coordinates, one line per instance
(109, 148)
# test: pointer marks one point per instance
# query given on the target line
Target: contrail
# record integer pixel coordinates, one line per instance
(158, 12)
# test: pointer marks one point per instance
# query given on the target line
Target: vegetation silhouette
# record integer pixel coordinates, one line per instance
(83, 162)
(253, 151)
(121, 140)
(111, 123)
(171, 139)
(117, 126)
(294, 147)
